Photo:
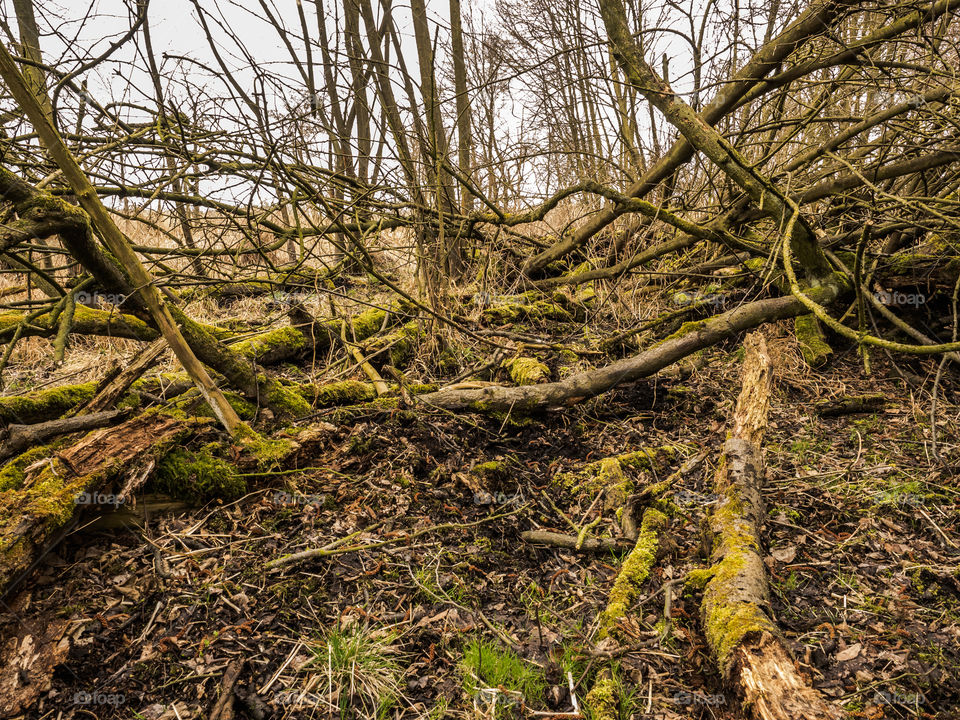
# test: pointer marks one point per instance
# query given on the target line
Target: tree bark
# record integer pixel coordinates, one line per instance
(742, 636)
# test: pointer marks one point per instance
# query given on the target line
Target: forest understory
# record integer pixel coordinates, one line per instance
(527, 359)
(425, 599)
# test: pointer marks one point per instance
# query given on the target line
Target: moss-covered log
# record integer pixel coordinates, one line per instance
(39, 491)
(528, 308)
(581, 386)
(42, 405)
(291, 342)
(86, 321)
(742, 636)
(635, 570)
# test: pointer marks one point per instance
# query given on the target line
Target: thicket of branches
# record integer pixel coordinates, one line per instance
(772, 161)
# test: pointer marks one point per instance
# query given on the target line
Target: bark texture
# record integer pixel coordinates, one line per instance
(736, 602)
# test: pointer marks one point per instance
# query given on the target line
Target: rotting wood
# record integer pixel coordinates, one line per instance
(112, 391)
(39, 491)
(850, 405)
(741, 634)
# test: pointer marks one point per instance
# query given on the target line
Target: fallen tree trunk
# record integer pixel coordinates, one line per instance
(742, 636)
(690, 338)
(14, 439)
(42, 490)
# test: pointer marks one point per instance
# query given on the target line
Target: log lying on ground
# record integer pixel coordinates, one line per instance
(741, 634)
(86, 321)
(43, 405)
(15, 439)
(316, 335)
(850, 405)
(576, 388)
(39, 489)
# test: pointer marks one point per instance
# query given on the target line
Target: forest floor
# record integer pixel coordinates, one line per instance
(449, 607)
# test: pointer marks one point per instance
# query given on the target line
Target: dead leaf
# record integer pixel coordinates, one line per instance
(785, 554)
(849, 653)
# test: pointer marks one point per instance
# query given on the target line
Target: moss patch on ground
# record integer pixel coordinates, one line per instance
(526, 370)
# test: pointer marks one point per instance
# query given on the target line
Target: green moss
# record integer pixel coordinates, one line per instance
(698, 579)
(268, 452)
(813, 344)
(688, 327)
(12, 474)
(491, 470)
(588, 478)
(264, 347)
(614, 484)
(728, 619)
(198, 477)
(538, 311)
(346, 392)
(368, 323)
(44, 405)
(602, 699)
(285, 401)
(635, 570)
(526, 371)
(396, 348)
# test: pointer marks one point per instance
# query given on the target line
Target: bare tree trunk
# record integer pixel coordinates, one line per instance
(449, 252)
(116, 242)
(30, 48)
(464, 113)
